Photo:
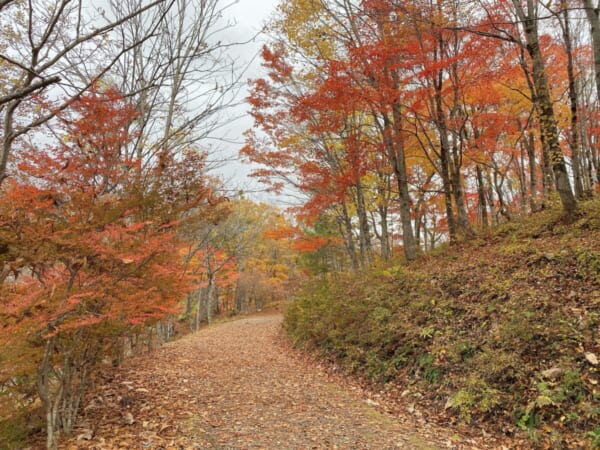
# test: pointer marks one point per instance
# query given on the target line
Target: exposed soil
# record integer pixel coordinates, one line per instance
(238, 385)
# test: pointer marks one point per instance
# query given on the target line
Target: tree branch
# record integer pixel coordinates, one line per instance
(35, 86)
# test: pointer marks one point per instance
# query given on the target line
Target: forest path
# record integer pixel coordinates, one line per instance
(237, 385)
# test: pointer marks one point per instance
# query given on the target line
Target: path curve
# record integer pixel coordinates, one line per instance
(236, 386)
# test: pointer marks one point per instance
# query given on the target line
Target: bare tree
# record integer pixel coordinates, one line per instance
(47, 42)
(182, 79)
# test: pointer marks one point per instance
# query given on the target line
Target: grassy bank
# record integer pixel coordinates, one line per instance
(502, 331)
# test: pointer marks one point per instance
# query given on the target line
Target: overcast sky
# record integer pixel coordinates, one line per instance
(248, 18)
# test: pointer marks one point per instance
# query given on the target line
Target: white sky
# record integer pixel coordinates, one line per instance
(248, 17)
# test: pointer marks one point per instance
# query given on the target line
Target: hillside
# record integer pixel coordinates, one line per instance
(501, 333)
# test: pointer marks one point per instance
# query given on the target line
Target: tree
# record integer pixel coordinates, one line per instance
(462, 101)
(181, 78)
(528, 16)
(84, 256)
(334, 121)
(44, 45)
(592, 12)
(518, 22)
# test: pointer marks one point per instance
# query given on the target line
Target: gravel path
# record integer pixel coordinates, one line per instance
(236, 386)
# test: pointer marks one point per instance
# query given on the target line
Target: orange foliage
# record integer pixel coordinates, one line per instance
(79, 247)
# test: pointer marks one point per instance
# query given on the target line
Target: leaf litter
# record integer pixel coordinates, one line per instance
(239, 385)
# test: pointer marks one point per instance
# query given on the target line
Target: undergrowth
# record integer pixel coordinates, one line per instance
(16, 429)
(499, 332)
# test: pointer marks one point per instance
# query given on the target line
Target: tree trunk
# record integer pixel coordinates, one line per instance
(490, 196)
(385, 233)
(587, 158)
(528, 140)
(425, 233)
(462, 221)
(593, 170)
(46, 396)
(346, 231)
(483, 212)
(419, 219)
(209, 298)
(502, 208)
(548, 125)
(398, 160)
(365, 246)
(593, 15)
(189, 303)
(548, 185)
(7, 136)
(573, 101)
(200, 300)
(239, 297)
(444, 169)
(522, 174)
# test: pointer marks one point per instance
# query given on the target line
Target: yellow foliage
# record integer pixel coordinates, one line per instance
(302, 23)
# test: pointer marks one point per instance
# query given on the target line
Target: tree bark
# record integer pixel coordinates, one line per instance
(346, 231)
(365, 246)
(483, 211)
(548, 124)
(209, 298)
(200, 301)
(593, 15)
(44, 392)
(383, 190)
(574, 142)
(444, 154)
(490, 196)
(457, 189)
(395, 147)
(528, 140)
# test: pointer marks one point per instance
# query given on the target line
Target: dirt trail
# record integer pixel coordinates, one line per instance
(235, 386)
